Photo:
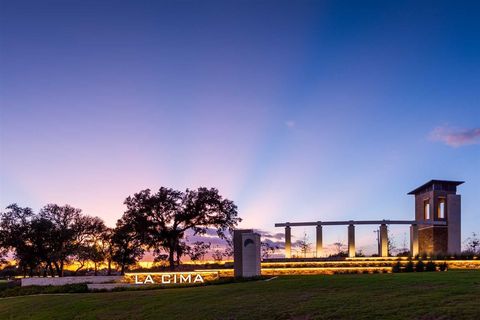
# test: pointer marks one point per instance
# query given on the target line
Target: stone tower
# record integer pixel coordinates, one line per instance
(438, 213)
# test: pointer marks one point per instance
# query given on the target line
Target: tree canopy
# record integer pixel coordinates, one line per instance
(44, 243)
(50, 239)
(161, 219)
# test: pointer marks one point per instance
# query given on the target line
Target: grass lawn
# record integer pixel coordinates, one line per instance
(433, 295)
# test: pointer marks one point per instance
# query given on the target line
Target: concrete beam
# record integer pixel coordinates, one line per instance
(358, 222)
(383, 241)
(351, 241)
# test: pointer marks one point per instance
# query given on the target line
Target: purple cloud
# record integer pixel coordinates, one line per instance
(456, 137)
(267, 234)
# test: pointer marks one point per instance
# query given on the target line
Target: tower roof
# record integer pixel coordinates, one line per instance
(447, 185)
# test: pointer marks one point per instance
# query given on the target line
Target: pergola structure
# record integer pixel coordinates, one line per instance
(414, 224)
(436, 228)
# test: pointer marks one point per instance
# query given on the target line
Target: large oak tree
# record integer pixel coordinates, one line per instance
(49, 240)
(161, 219)
(125, 246)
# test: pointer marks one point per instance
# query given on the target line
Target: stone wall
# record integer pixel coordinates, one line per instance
(60, 281)
(433, 239)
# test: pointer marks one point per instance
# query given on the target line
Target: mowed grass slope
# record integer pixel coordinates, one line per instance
(440, 295)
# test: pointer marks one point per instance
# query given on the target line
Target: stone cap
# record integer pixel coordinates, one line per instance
(446, 185)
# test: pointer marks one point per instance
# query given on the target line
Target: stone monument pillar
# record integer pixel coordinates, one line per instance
(413, 240)
(319, 247)
(437, 214)
(288, 242)
(246, 253)
(351, 241)
(383, 240)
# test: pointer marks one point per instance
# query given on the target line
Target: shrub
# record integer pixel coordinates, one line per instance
(443, 266)
(409, 267)
(397, 267)
(431, 266)
(420, 266)
(29, 290)
(8, 272)
(465, 255)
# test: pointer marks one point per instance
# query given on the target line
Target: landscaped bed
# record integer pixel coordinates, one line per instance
(418, 295)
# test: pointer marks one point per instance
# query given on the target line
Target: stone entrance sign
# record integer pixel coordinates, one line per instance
(246, 253)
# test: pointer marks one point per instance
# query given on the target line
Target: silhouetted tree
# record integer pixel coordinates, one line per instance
(89, 237)
(3, 244)
(391, 242)
(162, 218)
(473, 243)
(48, 240)
(304, 245)
(126, 246)
(67, 229)
(42, 241)
(30, 239)
(81, 257)
(228, 251)
(15, 232)
(217, 255)
(107, 248)
(3, 254)
(267, 249)
(340, 248)
(180, 250)
(198, 250)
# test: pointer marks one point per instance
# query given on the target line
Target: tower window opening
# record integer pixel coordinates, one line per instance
(441, 208)
(426, 209)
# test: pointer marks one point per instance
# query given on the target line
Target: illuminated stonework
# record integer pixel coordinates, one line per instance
(246, 244)
(438, 201)
(355, 265)
(170, 278)
(436, 228)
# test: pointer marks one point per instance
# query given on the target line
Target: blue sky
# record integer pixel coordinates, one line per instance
(296, 110)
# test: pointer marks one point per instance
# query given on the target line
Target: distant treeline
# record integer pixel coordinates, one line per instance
(43, 243)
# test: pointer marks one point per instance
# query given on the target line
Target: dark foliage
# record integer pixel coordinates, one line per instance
(420, 266)
(42, 244)
(29, 290)
(161, 219)
(397, 267)
(430, 266)
(410, 266)
(443, 266)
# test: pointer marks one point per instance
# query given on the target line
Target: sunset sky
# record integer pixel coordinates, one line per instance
(295, 110)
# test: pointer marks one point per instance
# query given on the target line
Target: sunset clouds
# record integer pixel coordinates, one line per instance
(456, 137)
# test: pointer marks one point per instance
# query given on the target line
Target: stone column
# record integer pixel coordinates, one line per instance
(319, 250)
(288, 242)
(413, 240)
(383, 240)
(351, 241)
(453, 215)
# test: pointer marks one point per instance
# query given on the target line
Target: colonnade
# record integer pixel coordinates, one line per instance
(383, 237)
